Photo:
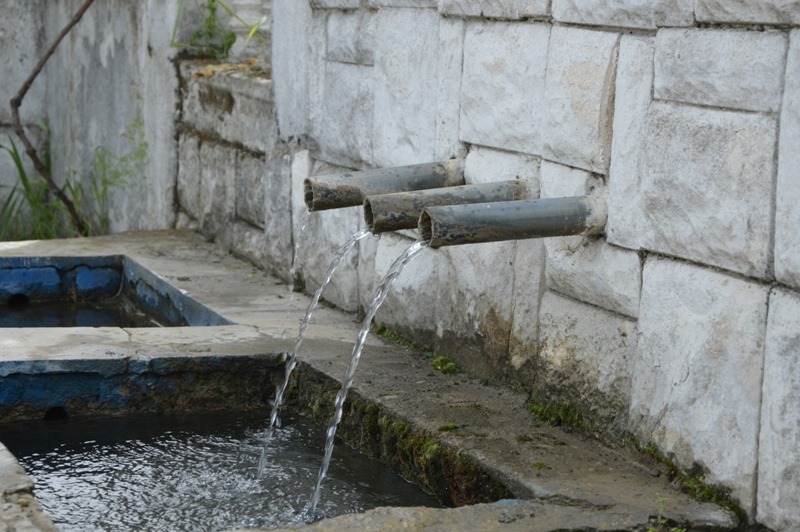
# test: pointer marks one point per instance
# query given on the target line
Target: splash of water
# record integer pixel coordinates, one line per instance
(291, 363)
(293, 268)
(377, 299)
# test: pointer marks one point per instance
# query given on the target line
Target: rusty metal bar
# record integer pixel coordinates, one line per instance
(512, 220)
(401, 210)
(335, 191)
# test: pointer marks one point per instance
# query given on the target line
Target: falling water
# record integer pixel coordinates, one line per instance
(377, 299)
(292, 362)
(293, 268)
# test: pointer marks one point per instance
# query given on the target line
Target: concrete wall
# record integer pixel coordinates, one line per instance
(680, 324)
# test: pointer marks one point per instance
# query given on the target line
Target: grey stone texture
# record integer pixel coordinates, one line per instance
(291, 60)
(632, 100)
(405, 72)
(778, 472)
(351, 37)
(23, 41)
(706, 185)
(448, 88)
(645, 14)
(787, 194)
(586, 360)
(722, 68)
(698, 372)
(505, 9)
(579, 94)
(529, 285)
(487, 165)
(748, 11)
(503, 83)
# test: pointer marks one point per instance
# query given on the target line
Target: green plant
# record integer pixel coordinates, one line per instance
(30, 211)
(29, 198)
(213, 38)
(444, 365)
(557, 414)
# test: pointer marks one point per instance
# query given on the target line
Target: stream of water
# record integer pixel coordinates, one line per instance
(293, 268)
(377, 299)
(291, 363)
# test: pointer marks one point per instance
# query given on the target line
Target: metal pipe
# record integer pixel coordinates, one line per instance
(401, 210)
(335, 191)
(512, 220)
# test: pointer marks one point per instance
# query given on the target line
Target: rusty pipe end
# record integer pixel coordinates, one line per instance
(308, 193)
(425, 227)
(369, 217)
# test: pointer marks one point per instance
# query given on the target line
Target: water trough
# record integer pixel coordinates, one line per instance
(395, 410)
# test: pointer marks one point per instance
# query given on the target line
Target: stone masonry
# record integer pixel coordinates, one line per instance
(677, 326)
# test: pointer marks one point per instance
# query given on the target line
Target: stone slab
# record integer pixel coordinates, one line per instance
(721, 68)
(448, 88)
(579, 97)
(787, 195)
(217, 187)
(698, 372)
(351, 37)
(486, 165)
(706, 186)
(236, 107)
(778, 465)
(502, 89)
(344, 126)
(586, 360)
(405, 71)
(249, 184)
(748, 11)
(505, 9)
(645, 14)
(291, 25)
(632, 99)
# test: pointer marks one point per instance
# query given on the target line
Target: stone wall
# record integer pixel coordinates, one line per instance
(679, 325)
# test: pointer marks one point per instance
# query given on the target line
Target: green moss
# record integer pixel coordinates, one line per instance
(449, 427)
(444, 365)
(557, 414)
(693, 486)
(540, 465)
(394, 337)
(524, 438)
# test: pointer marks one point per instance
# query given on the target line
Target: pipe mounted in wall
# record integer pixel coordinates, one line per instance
(350, 188)
(512, 220)
(401, 210)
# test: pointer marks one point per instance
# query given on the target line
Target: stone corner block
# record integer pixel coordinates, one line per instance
(779, 457)
(698, 372)
(625, 14)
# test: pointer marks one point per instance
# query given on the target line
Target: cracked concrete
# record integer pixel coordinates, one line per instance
(559, 479)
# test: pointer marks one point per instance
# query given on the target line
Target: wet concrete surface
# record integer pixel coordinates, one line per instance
(552, 479)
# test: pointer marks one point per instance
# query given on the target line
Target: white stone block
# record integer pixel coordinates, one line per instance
(474, 306)
(787, 196)
(502, 89)
(344, 128)
(189, 175)
(405, 72)
(647, 14)
(351, 37)
(400, 3)
(250, 185)
(448, 88)
(486, 165)
(335, 4)
(559, 181)
(277, 211)
(579, 92)
(707, 184)
(325, 232)
(698, 370)
(721, 68)
(506, 9)
(290, 65)
(595, 272)
(778, 454)
(528, 288)
(631, 103)
(748, 11)
(586, 358)
(410, 305)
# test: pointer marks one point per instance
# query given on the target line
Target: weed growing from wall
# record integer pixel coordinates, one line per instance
(212, 38)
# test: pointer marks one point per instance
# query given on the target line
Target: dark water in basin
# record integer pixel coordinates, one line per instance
(193, 472)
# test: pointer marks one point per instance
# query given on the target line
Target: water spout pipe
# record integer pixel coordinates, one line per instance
(512, 220)
(401, 210)
(350, 188)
